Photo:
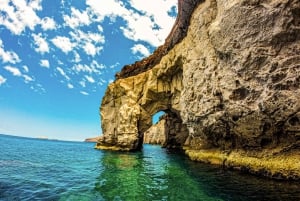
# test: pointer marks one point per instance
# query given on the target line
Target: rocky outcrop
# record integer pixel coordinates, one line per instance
(92, 139)
(232, 85)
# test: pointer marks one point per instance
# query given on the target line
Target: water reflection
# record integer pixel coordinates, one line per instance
(155, 175)
(148, 175)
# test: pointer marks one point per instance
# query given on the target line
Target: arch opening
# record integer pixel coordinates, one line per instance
(157, 117)
(167, 130)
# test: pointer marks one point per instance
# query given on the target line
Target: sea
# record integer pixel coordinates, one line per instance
(36, 169)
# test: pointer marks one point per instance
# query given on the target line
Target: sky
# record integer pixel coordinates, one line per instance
(57, 58)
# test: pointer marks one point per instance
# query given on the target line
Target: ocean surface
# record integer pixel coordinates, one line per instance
(32, 169)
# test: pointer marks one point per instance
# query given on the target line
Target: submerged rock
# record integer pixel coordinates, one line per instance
(231, 87)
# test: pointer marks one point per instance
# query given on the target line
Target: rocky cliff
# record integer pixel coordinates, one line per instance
(231, 87)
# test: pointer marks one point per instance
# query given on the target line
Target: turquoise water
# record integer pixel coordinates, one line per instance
(32, 169)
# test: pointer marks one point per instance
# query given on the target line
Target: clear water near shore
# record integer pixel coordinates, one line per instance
(32, 169)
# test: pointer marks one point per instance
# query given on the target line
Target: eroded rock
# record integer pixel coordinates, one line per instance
(232, 84)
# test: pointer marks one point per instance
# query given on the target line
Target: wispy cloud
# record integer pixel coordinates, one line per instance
(141, 49)
(26, 69)
(91, 49)
(151, 24)
(146, 23)
(77, 57)
(40, 43)
(17, 73)
(27, 78)
(91, 43)
(70, 86)
(45, 63)
(62, 72)
(63, 43)
(38, 88)
(77, 18)
(89, 79)
(82, 83)
(8, 56)
(13, 70)
(93, 67)
(17, 15)
(2, 80)
(84, 93)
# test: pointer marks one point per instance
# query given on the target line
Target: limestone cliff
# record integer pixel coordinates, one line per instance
(231, 86)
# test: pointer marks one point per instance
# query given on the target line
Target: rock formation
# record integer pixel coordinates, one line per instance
(156, 133)
(232, 85)
(92, 139)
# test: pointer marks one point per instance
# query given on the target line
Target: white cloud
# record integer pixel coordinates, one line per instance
(63, 43)
(110, 8)
(100, 28)
(91, 43)
(62, 72)
(16, 72)
(27, 78)
(77, 58)
(19, 14)
(96, 65)
(152, 26)
(48, 24)
(84, 93)
(82, 68)
(8, 56)
(82, 83)
(13, 70)
(139, 48)
(45, 63)
(89, 79)
(41, 43)
(161, 20)
(70, 86)
(2, 80)
(93, 67)
(91, 49)
(77, 18)
(26, 69)
(94, 37)
(115, 65)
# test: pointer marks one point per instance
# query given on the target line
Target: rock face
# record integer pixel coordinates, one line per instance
(156, 133)
(231, 87)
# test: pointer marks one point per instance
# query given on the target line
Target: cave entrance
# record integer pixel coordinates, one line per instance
(167, 130)
(156, 133)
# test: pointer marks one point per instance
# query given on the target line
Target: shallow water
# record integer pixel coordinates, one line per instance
(32, 169)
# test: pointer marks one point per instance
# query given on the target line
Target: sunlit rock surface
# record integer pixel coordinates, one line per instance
(231, 86)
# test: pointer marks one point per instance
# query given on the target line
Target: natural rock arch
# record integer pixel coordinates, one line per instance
(232, 83)
(136, 99)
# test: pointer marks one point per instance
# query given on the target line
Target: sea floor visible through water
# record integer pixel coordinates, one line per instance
(33, 169)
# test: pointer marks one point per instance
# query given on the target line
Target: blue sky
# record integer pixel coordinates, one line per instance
(58, 56)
